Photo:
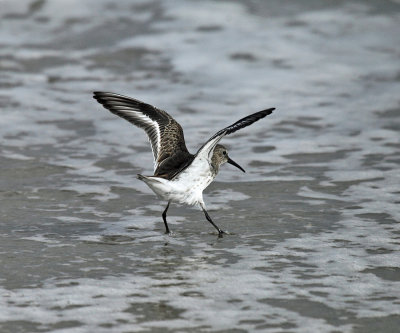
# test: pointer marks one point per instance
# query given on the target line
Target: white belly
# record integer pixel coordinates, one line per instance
(187, 187)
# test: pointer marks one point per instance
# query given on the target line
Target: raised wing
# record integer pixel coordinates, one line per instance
(208, 148)
(165, 134)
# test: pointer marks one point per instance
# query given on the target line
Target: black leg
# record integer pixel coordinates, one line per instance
(164, 216)
(220, 232)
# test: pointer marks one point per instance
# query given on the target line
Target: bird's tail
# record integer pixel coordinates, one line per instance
(140, 177)
(158, 185)
(151, 179)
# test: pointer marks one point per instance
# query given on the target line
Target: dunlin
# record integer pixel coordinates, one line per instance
(179, 176)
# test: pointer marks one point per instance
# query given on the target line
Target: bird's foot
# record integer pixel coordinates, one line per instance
(221, 233)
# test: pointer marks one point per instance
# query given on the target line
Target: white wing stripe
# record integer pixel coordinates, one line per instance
(153, 131)
(208, 149)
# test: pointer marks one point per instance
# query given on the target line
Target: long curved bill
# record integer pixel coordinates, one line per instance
(235, 164)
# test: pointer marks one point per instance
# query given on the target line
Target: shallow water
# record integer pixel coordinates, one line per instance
(314, 223)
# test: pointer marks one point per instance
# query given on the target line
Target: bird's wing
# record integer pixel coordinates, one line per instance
(206, 151)
(165, 134)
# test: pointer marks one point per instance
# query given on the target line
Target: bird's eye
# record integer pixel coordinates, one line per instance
(224, 152)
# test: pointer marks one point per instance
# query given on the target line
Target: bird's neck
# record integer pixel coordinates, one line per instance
(214, 166)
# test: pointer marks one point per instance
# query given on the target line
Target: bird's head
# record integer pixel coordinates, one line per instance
(220, 157)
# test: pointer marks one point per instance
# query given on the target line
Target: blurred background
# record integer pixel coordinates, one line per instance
(314, 223)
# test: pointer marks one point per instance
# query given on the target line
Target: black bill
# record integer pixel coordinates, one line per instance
(235, 164)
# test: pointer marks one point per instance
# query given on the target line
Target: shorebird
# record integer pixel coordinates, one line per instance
(179, 176)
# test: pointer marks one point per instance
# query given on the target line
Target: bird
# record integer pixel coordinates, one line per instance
(179, 176)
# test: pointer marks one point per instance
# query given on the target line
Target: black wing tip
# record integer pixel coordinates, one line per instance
(267, 111)
(110, 98)
(259, 115)
(102, 94)
(99, 95)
